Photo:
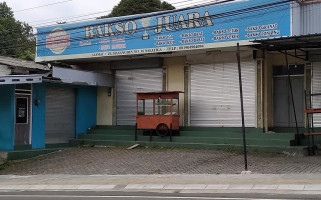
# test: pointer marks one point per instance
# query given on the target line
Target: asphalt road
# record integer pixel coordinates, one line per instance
(58, 195)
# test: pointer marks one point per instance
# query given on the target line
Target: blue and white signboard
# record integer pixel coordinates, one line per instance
(202, 27)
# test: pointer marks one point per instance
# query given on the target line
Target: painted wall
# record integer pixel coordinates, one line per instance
(104, 106)
(86, 109)
(38, 116)
(7, 117)
(175, 80)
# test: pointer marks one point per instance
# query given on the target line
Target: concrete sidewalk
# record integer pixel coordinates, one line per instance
(203, 183)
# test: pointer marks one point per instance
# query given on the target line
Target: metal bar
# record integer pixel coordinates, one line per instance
(313, 152)
(242, 107)
(153, 107)
(136, 132)
(308, 117)
(312, 128)
(296, 75)
(170, 133)
(150, 135)
(292, 55)
(310, 150)
(315, 94)
(172, 106)
(136, 107)
(291, 91)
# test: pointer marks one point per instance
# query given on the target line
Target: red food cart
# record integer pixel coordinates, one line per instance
(158, 111)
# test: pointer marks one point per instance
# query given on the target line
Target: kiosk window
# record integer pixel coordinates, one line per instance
(21, 110)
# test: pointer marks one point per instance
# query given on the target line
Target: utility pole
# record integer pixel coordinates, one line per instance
(242, 107)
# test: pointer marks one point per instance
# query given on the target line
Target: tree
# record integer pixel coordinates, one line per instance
(16, 38)
(132, 7)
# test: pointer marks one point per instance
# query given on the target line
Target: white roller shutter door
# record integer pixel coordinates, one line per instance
(215, 96)
(129, 81)
(316, 88)
(60, 115)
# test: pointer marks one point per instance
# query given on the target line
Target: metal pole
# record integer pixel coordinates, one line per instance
(150, 135)
(170, 133)
(136, 132)
(293, 105)
(242, 107)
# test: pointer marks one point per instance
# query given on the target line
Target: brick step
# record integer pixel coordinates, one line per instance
(183, 139)
(220, 129)
(25, 154)
(317, 140)
(109, 127)
(114, 132)
(251, 148)
(223, 134)
(226, 134)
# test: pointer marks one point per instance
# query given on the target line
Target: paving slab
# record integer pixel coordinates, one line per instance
(134, 186)
(291, 187)
(174, 186)
(217, 186)
(195, 186)
(265, 186)
(105, 187)
(251, 183)
(120, 161)
(241, 186)
(154, 186)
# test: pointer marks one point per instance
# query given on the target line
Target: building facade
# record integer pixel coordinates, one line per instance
(194, 50)
(37, 109)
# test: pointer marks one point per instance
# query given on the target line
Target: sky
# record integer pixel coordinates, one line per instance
(47, 12)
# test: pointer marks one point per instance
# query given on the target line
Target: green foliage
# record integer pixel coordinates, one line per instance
(132, 7)
(16, 38)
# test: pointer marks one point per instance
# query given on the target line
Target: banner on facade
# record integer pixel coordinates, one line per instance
(201, 27)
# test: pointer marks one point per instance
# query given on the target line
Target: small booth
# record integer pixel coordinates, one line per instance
(158, 111)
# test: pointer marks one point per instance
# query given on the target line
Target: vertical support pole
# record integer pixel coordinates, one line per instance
(154, 107)
(293, 104)
(313, 152)
(308, 117)
(150, 135)
(242, 107)
(170, 133)
(172, 106)
(312, 126)
(186, 95)
(136, 132)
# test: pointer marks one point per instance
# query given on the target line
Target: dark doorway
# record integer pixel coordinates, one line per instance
(282, 100)
(22, 115)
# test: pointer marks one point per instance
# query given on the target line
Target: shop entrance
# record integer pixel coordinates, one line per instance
(282, 100)
(22, 114)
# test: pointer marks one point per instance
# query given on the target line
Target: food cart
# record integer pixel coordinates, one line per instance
(158, 111)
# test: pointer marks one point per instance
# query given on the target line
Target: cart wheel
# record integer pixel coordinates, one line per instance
(162, 130)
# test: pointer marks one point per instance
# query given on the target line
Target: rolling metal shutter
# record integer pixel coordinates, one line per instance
(129, 81)
(316, 88)
(60, 114)
(215, 96)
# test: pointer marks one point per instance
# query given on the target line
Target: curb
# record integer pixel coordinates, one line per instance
(171, 188)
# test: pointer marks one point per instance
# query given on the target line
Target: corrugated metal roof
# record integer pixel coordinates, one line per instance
(312, 41)
(14, 62)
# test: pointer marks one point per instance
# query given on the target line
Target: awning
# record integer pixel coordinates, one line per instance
(303, 42)
(296, 46)
(79, 77)
(20, 79)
